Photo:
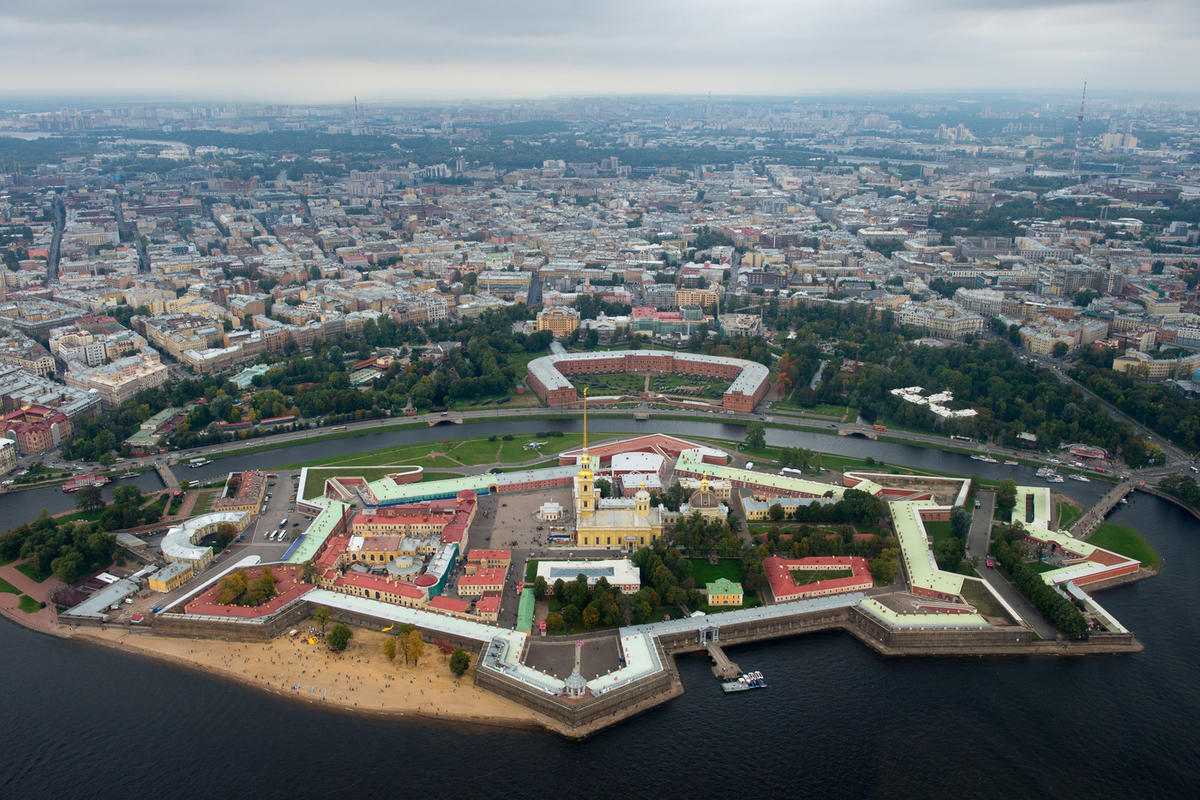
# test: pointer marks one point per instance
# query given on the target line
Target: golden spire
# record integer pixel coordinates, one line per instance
(585, 420)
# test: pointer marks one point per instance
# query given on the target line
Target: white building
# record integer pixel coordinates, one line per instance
(619, 572)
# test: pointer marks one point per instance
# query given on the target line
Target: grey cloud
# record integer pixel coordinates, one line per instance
(628, 45)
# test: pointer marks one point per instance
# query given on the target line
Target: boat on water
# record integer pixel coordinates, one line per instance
(198, 462)
(80, 481)
(1010, 463)
(1054, 477)
(1077, 477)
(1044, 472)
(985, 459)
(748, 681)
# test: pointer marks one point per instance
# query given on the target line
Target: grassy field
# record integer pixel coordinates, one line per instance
(703, 572)
(938, 531)
(204, 502)
(1067, 513)
(317, 476)
(1125, 541)
(91, 515)
(699, 387)
(471, 451)
(5, 586)
(28, 572)
(975, 593)
(28, 604)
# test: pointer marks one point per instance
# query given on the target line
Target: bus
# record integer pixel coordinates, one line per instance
(958, 438)
(791, 471)
(338, 428)
(559, 538)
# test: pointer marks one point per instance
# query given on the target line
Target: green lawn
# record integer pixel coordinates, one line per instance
(1067, 514)
(703, 572)
(1127, 542)
(204, 502)
(938, 531)
(28, 572)
(1041, 566)
(28, 604)
(531, 571)
(5, 586)
(471, 451)
(318, 476)
(90, 515)
(439, 476)
(975, 593)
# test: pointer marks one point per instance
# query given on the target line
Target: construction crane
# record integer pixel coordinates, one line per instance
(1078, 131)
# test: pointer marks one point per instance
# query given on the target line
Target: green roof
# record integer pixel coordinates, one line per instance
(319, 530)
(525, 611)
(723, 586)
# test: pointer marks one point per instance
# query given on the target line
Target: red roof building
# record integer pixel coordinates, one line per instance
(488, 607)
(783, 586)
(373, 587)
(482, 581)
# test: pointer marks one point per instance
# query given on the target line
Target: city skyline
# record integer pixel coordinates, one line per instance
(309, 52)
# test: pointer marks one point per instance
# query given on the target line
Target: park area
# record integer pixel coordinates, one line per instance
(1127, 542)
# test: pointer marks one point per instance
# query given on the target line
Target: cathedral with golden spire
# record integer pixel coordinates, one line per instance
(611, 523)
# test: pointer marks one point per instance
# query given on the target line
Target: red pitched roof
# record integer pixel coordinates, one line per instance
(443, 603)
(483, 577)
(376, 584)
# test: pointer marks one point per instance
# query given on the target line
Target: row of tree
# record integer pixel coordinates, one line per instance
(1060, 611)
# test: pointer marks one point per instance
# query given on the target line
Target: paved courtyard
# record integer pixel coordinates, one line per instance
(507, 520)
(600, 655)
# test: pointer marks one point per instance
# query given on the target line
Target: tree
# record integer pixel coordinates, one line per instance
(459, 662)
(308, 573)
(321, 617)
(539, 586)
(756, 436)
(556, 624)
(416, 647)
(89, 497)
(339, 637)
(1006, 498)
(775, 512)
(1060, 349)
(389, 648)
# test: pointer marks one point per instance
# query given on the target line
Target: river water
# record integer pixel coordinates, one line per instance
(837, 720)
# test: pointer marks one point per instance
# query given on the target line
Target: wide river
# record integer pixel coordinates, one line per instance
(838, 720)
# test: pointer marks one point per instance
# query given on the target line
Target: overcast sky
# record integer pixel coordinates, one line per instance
(310, 50)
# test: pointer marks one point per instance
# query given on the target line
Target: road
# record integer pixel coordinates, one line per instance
(60, 222)
(977, 545)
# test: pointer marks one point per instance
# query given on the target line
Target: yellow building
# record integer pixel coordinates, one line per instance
(170, 577)
(611, 523)
(559, 320)
(697, 297)
(724, 592)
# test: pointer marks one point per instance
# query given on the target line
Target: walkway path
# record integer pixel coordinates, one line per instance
(977, 541)
(41, 592)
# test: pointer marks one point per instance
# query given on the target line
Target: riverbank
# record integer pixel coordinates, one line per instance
(359, 679)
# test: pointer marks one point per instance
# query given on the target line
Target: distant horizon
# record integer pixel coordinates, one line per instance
(60, 98)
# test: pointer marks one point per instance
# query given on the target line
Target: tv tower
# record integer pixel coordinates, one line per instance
(1078, 131)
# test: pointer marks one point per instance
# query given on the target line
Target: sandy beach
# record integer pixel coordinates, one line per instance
(360, 678)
